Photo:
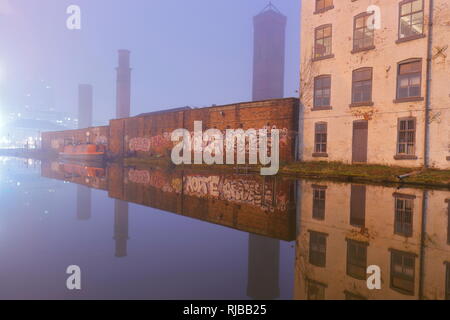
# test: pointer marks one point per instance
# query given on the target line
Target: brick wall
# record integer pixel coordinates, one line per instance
(55, 141)
(149, 135)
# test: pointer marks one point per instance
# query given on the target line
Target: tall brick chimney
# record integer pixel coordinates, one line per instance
(85, 96)
(121, 227)
(269, 54)
(123, 90)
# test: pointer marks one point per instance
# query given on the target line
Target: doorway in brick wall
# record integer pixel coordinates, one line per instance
(360, 141)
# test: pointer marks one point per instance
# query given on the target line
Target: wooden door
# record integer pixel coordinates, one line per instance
(360, 141)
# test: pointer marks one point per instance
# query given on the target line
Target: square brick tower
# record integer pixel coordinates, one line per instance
(269, 54)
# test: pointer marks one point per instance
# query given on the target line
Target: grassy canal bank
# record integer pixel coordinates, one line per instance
(359, 173)
(370, 173)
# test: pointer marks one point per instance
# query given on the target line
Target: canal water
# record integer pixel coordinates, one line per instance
(155, 233)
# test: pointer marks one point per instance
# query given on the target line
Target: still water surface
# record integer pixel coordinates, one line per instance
(145, 233)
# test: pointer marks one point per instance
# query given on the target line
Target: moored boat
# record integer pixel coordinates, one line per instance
(83, 152)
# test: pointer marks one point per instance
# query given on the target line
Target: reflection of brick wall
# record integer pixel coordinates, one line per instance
(256, 204)
(92, 177)
(221, 199)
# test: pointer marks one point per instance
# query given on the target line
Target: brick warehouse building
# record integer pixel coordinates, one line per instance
(376, 95)
(148, 135)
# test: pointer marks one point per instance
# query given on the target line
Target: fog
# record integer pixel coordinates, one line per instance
(183, 53)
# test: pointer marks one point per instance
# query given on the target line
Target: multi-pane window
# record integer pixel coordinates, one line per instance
(321, 136)
(315, 290)
(363, 32)
(406, 137)
(357, 259)
(317, 248)
(409, 79)
(323, 40)
(319, 198)
(411, 19)
(403, 224)
(322, 91)
(403, 271)
(362, 85)
(322, 5)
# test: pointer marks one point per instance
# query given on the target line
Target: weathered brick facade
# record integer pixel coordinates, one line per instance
(149, 135)
(54, 141)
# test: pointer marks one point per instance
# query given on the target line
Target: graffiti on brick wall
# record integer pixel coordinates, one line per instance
(100, 139)
(146, 144)
(156, 180)
(284, 135)
(236, 190)
(162, 142)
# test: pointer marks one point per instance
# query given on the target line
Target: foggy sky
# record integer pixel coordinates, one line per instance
(183, 53)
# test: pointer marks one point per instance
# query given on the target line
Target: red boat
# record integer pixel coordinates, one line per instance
(83, 152)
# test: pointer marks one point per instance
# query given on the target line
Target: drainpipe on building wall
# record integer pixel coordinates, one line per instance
(299, 134)
(428, 88)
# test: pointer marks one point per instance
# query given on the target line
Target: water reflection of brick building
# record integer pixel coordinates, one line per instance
(345, 228)
(261, 205)
(263, 268)
(121, 227)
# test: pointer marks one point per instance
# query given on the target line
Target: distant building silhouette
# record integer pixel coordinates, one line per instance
(123, 90)
(85, 103)
(269, 54)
